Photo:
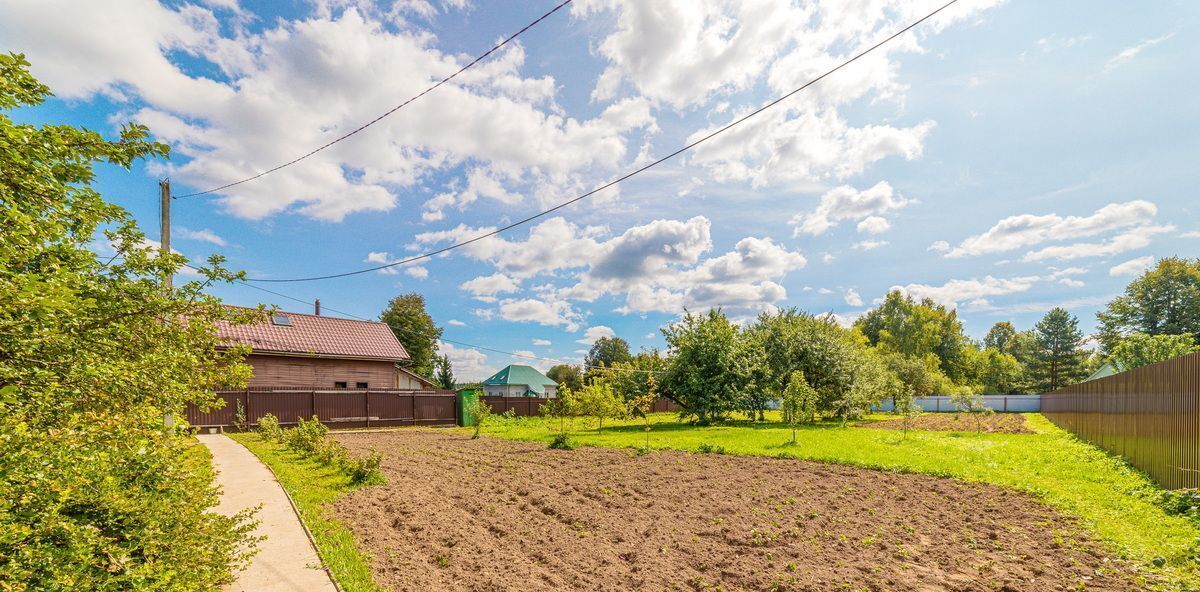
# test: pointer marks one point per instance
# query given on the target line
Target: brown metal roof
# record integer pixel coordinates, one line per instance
(317, 336)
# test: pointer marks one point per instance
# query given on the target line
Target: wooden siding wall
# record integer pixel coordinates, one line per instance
(321, 373)
(1149, 415)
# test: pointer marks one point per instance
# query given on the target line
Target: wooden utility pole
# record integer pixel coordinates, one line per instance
(164, 240)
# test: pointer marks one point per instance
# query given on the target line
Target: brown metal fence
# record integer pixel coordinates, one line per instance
(532, 407)
(1149, 415)
(340, 408)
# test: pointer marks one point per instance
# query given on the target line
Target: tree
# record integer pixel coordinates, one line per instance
(415, 330)
(641, 406)
(1139, 349)
(445, 373)
(566, 375)
(709, 369)
(600, 401)
(605, 352)
(98, 493)
(915, 328)
(481, 411)
(799, 403)
(632, 379)
(966, 401)
(1001, 373)
(1059, 358)
(1164, 300)
(829, 356)
(1002, 337)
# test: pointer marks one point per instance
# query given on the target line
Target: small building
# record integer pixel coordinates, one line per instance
(312, 351)
(518, 380)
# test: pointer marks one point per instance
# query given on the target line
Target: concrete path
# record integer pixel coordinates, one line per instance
(286, 561)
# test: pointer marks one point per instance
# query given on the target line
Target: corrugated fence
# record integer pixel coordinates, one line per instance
(1149, 415)
(997, 403)
(340, 408)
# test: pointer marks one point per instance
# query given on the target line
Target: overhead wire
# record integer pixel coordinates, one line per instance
(621, 178)
(368, 124)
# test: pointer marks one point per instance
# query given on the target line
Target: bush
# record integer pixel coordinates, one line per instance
(562, 442)
(365, 470)
(268, 428)
(706, 448)
(307, 437)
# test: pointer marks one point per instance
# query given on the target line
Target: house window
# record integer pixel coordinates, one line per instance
(360, 385)
(281, 320)
(339, 385)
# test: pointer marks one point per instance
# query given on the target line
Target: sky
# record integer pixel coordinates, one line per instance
(1003, 158)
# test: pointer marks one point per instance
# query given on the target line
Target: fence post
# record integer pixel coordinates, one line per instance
(367, 406)
(312, 403)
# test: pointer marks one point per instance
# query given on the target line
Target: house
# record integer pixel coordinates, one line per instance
(520, 381)
(1108, 369)
(312, 351)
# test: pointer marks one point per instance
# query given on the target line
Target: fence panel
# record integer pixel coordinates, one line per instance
(342, 408)
(1149, 415)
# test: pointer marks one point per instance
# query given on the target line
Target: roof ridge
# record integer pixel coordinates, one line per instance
(306, 314)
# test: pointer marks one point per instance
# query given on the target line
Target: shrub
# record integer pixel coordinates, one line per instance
(307, 437)
(268, 428)
(365, 470)
(706, 448)
(562, 442)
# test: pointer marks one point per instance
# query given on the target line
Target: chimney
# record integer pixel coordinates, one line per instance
(318, 306)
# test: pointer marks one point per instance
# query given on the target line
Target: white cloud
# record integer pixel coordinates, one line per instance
(939, 246)
(490, 285)
(204, 235)
(456, 323)
(869, 245)
(469, 364)
(1132, 51)
(1054, 42)
(551, 313)
(827, 258)
(417, 271)
(1132, 267)
(1072, 283)
(1192, 234)
(874, 225)
(592, 334)
(1126, 241)
(541, 342)
(1025, 230)
(852, 298)
(848, 203)
(955, 291)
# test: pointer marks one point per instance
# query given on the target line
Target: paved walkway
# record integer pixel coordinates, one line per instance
(286, 560)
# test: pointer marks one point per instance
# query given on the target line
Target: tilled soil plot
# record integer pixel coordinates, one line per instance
(999, 423)
(491, 514)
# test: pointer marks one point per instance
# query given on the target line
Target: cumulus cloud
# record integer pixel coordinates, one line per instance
(869, 245)
(1127, 241)
(469, 364)
(593, 334)
(1132, 267)
(488, 286)
(552, 312)
(541, 342)
(456, 323)
(955, 291)
(847, 203)
(939, 246)
(204, 235)
(1015, 232)
(852, 298)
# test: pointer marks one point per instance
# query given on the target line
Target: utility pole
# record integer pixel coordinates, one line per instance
(164, 240)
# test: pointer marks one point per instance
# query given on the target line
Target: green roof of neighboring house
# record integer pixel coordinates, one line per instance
(519, 374)
(1107, 369)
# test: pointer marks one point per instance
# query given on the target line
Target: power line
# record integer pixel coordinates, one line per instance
(364, 126)
(617, 180)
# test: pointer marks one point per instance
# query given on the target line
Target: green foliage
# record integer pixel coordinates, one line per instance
(445, 373)
(600, 401)
(479, 409)
(415, 330)
(566, 376)
(605, 352)
(641, 406)
(1140, 349)
(707, 448)
(239, 417)
(310, 438)
(918, 328)
(97, 494)
(1059, 358)
(972, 403)
(562, 442)
(268, 428)
(799, 402)
(1164, 300)
(1002, 337)
(1000, 373)
(712, 368)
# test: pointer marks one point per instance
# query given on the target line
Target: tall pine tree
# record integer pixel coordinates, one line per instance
(1058, 357)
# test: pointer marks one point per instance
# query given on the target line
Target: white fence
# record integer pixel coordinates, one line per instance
(998, 403)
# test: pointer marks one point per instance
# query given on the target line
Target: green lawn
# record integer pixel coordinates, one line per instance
(1107, 495)
(314, 486)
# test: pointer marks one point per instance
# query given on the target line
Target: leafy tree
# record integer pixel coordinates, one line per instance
(1164, 300)
(919, 376)
(1140, 349)
(1002, 337)
(1059, 358)
(415, 330)
(966, 401)
(481, 411)
(560, 408)
(1001, 373)
(605, 352)
(709, 370)
(600, 401)
(445, 373)
(566, 375)
(641, 406)
(903, 325)
(828, 355)
(799, 402)
(99, 494)
(633, 379)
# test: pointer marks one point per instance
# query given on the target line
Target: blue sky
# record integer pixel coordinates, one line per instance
(1004, 159)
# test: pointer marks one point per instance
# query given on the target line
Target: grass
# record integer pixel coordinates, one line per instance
(314, 486)
(1110, 498)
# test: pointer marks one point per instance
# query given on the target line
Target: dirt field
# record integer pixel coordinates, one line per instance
(492, 514)
(1000, 423)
